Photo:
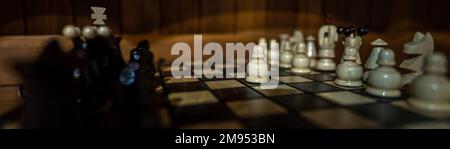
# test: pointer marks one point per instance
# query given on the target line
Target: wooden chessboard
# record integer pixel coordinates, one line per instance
(300, 101)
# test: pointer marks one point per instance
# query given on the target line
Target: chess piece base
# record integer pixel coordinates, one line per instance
(285, 66)
(257, 79)
(409, 78)
(296, 70)
(326, 65)
(383, 92)
(348, 83)
(429, 106)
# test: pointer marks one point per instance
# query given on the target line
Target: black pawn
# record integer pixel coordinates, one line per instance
(340, 30)
(362, 31)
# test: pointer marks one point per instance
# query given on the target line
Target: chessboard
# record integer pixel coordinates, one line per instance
(299, 101)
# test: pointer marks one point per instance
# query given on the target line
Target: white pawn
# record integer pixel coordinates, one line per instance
(311, 50)
(286, 56)
(300, 62)
(274, 54)
(371, 62)
(431, 92)
(262, 42)
(257, 68)
(385, 80)
(283, 39)
(89, 32)
(349, 73)
(71, 31)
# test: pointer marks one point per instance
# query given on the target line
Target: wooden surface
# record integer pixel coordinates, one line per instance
(35, 17)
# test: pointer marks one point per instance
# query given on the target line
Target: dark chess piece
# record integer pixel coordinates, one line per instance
(147, 56)
(47, 80)
(137, 105)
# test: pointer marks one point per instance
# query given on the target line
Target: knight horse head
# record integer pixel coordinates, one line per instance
(327, 36)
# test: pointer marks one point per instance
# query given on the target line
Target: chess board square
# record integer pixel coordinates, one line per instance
(343, 87)
(315, 87)
(254, 108)
(293, 79)
(426, 125)
(279, 91)
(285, 72)
(223, 84)
(404, 105)
(346, 98)
(387, 115)
(241, 93)
(283, 121)
(200, 113)
(302, 102)
(191, 98)
(185, 87)
(381, 99)
(170, 80)
(322, 77)
(337, 118)
(215, 124)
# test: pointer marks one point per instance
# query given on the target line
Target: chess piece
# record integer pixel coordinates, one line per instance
(104, 31)
(384, 81)
(353, 39)
(89, 32)
(71, 31)
(283, 41)
(286, 56)
(263, 42)
(257, 68)
(274, 53)
(311, 51)
(371, 62)
(296, 38)
(300, 62)
(349, 73)
(421, 47)
(327, 38)
(430, 92)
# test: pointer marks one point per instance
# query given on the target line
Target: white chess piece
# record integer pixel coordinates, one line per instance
(300, 62)
(421, 47)
(71, 31)
(104, 31)
(371, 62)
(263, 42)
(98, 15)
(89, 32)
(257, 68)
(431, 92)
(349, 73)
(311, 51)
(286, 56)
(274, 55)
(385, 81)
(327, 38)
(283, 41)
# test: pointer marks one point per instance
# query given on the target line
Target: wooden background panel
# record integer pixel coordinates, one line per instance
(380, 14)
(12, 22)
(82, 12)
(218, 16)
(140, 16)
(281, 14)
(314, 17)
(47, 16)
(250, 15)
(179, 17)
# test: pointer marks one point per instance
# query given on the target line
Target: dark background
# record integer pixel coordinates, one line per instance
(30, 17)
